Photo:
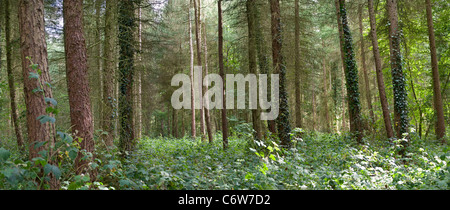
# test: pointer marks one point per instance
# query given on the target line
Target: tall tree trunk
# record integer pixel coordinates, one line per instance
(109, 70)
(9, 70)
(222, 74)
(379, 71)
(138, 83)
(77, 82)
(439, 108)
(199, 63)
(298, 71)
(284, 127)
(191, 50)
(126, 68)
(314, 107)
(341, 44)
(325, 92)
(351, 75)
(207, 113)
(401, 120)
(363, 63)
(251, 6)
(263, 60)
(98, 67)
(34, 50)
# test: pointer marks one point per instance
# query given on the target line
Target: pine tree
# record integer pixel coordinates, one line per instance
(77, 82)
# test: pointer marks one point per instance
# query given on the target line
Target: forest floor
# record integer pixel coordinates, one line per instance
(317, 161)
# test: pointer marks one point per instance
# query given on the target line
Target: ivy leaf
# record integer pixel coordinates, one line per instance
(34, 66)
(51, 100)
(45, 119)
(33, 75)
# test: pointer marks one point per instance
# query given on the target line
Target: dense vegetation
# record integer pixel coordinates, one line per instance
(85, 95)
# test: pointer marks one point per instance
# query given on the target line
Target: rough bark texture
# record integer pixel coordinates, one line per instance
(109, 70)
(398, 79)
(379, 71)
(9, 70)
(283, 125)
(298, 71)
(351, 75)
(77, 81)
(439, 109)
(126, 73)
(222, 74)
(364, 66)
(34, 51)
(252, 55)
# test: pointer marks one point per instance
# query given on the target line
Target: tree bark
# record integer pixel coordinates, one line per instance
(263, 60)
(325, 92)
(126, 68)
(11, 80)
(439, 108)
(34, 51)
(379, 71)
(283, 124)
(364, 67)
(109, 70)
(252, 53)
(351, 75)
(222, 74)
(98, 67)
(207, 113)
(398, 80)
(77, 82)
(198, 41)
(191, 50)
(137, 120)
(298, 71)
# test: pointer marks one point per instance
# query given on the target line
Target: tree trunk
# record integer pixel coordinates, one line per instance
(207, 113)
(298, 71)
(440, 124)
(222, 74)
(341, 44)
(77, 82)
(284, 127)
(126, 68)
(379, 71)
(138, 83)
(325, 92)
(263, 60)
(398, 80)
(198, 40)
(251, 5)
(351, 75)
(191, 50)
(109, 70)
(98, 67)
(11, 85)
(34, 51)
(364, 67)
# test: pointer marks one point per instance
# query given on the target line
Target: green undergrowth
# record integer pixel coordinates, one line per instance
(314, 162)
(318, 161)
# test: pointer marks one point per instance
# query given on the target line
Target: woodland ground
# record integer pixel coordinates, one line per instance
(317, 161)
